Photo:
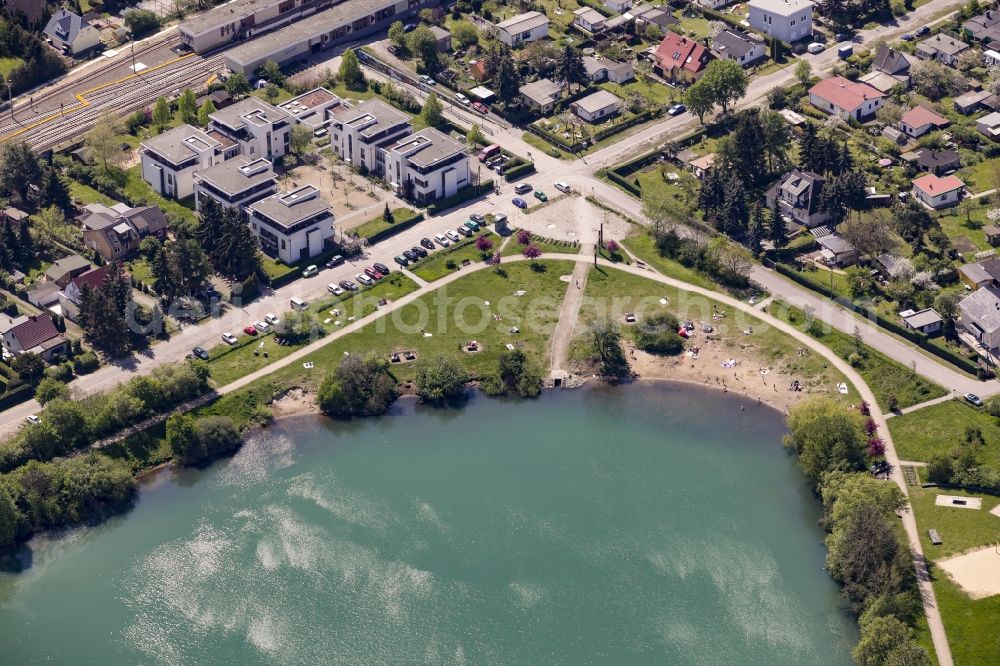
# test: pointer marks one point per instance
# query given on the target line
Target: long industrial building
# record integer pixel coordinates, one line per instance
(242, 19)
(344, 22)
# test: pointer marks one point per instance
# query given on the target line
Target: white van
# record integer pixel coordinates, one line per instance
(297, 303)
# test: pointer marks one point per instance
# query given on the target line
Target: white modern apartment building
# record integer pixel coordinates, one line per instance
(258, 128)
(170, 159)
(787, 20)
(357, 134)
(312, 108)
(237, 183)
(426, 166)
(292, 225)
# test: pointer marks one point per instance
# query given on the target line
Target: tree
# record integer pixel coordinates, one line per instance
(298, 326)
(657, 334)
(423, 43)
(913, 221)
(570, 68)
(484, 244)
(300, 138)
(181, 438)
(9, 518)
(531, 252)
(862, 550)
(103, 143)
(161, 113)
(804, 72)
(474, 136)
(890, 113)
(350, 73)
(231, 247)
(180, 267)
(733, 260)
(272, 92)
(397, 34)
(141, 22)
(886, 641)
(871, 233)
(935, 80)
(727, 80)
(732, 217)
(433, 111)
(359, 386)
(440, 379)
(758, 230)
(55, 192)
(19, 170)
(238, 86)
(206, 110)
(271, 72)
(508, 80)
(29, 366)
(187, 106)
(465, 33)
(517, 372)
(102, 320)
(605, 341)
(711, 194)
(826, 436)
(700, 99)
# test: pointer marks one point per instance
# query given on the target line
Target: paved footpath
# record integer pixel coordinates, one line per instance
(563, 334)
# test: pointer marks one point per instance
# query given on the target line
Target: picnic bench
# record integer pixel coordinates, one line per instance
(935, 537)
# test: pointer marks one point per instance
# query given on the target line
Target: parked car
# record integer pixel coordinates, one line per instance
(34, 420)
(364, 279)
(499, 219)
(372, 273)
(480, 107)
(381, 268)
(841, 37)
(428, 80)
(452, 236)
(401, 260)
(519, 202)
(409, 27)
(250, 330)
(262, 326)
(676, 110)
(921, 31)
(229, 338)
(419, 251)
(465, 231)
(335, 288)
(522, 188)
(336, 260)
(500, 169)
(478, 219)
(427, 242)
(409, 254)
(310, 271)
(393, 49)
(907, 37)
(347, 285)
(442, 240)
(815, 48)
(198, 352)
(562, 187)
(973, 399)
(462, 99)
(470, 225)
(541, 196)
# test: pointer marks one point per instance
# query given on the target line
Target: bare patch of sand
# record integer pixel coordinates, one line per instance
(958, 501)
(976, 572)
(294, 402)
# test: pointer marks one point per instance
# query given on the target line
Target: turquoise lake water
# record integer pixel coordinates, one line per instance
(653, 523)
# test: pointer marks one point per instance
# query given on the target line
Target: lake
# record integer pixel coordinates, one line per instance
(651, 523)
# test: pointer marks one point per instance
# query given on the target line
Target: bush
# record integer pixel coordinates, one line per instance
(195, 442)
(359, 386)
(441, 379)
(298, 326)
(62, 372)
(86, 363)
(657, 334)
(517, 373)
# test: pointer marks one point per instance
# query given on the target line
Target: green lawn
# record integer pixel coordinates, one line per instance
(546, 245)
(140, 192)
(450, 259)
(378, 224)
(939, 428)
(642, 246)
(8, 65)
(273, 268)
(694, 27)
(88, 195)
(883, 375)
(141, 270)
(657, 94)
(980, 177)
(544, 146)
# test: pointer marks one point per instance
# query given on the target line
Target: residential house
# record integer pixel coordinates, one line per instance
(892, 62)
(837, 251)
(598, 106)
(72, 35)
(702, 165)
(312, 108)
(523, 28)
(989, 125)
(602, 69)
(477, 70)
(65, 269)
(920, 120)
(680, 58)
(644, 15)
(981, 316)
(926, 321)
(442, 38)
(798, 196)
(427, 166)
(541, 95)
(992, 234)
(170, 159)
(938, 192)
(292, 226)
(848, 99)
(992, 268)
(260, 129)
(236, 183)
(589, 20)
(738, 46)
(787, 20)
(984, 28)
(618, 6)
(71, 297)
(968, 102)
(713, 4)
(943, 48)
(974, 276)
(358, 133)
(937, 162)
(34, 334)
(882, 81)
(116, 234)
(14, 217)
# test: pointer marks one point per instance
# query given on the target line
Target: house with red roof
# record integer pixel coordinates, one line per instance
(72, 295)
(938, 192)
(35, 334)
(680, 58)
(848, 99)
(920, 120)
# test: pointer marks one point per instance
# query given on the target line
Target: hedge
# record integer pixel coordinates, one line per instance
(397, 227)
(17, 395)
(915, 337)
(519, 171)
(463, 195)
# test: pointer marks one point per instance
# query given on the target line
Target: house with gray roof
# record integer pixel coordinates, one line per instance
(115, 233)
(258, 128)
(69, 33)
(358, 133)
(170, 159)
(292, 226)
(598, 106)
(63, 270)
(427, 165)
(602, 69)
(237, 183)
(523, 28)
(981, 316)
(738, 46)
(926, 321)
(984, 28)
(541, 95)
(798, 197)
(943, 48)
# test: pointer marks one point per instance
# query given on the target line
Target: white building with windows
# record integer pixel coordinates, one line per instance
(787, 20)
(170, 160)
(237, 183)
(357, 134)
(258, 128)
(426, 166)
(312, 108)
(292, 225)
(523, 28)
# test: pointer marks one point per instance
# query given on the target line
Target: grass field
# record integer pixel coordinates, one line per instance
(642, 246)
(448, 260)
(88, 195)
(546, 245)
(378, 224)
(939, 428)
(139, 191)
(8, 65)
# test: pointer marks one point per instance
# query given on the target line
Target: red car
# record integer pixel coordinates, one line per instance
(250, 330)
(481, 108)
(373, 274)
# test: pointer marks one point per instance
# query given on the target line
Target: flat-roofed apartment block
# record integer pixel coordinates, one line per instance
(292, 225)
(170, 159)
(237, 183)
(427, 165)
(240, 19)
(358, 133)
(345, 21)
(313, 108)
(260, 129)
